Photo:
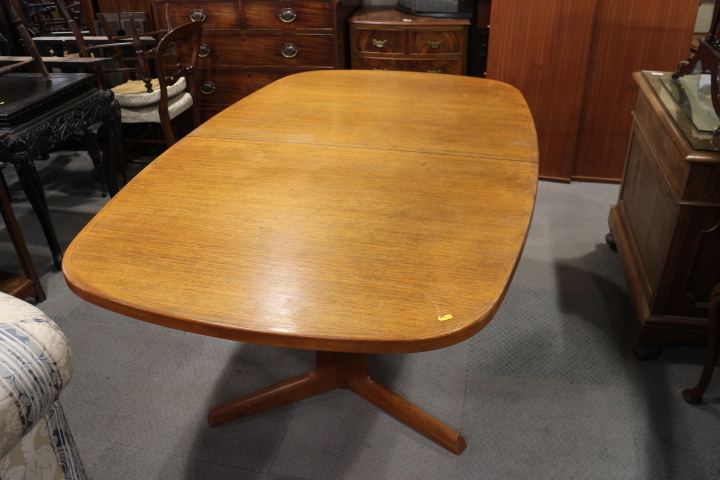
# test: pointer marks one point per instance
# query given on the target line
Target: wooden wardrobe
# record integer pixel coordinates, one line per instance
(573, 61)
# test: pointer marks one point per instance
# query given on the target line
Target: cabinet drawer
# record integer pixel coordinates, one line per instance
(266, 50)
(232, 85)
(454, 67)
(430, 42)
(218, 15)
(379, 41)
(262, 15)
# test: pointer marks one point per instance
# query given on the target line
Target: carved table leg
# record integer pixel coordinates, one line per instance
(693, 395)
(339, 370)
(113, 131)
(90, 139)
(30, 180)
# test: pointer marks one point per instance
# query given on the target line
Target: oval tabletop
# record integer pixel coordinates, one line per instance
(352, 211)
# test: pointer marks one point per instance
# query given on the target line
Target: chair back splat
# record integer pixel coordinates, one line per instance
(170, 70)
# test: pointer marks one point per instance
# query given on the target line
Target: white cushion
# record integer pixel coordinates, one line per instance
(134, 93)
(150, 114)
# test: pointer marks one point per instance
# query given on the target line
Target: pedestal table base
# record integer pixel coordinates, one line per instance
(339, 370)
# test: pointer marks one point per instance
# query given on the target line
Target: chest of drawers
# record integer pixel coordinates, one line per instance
(248, 44)
(381, 38)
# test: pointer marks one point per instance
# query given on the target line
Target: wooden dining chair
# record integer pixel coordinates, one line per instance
(161, 82)
(173, 91)
(131, 59)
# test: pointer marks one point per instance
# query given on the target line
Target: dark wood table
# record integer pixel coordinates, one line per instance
(343, 211)
(36, 115)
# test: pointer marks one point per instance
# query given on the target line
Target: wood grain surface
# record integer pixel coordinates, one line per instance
(627, 37)
(541, 48)
(332, 210)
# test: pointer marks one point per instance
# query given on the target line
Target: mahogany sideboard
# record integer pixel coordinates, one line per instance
(666, 224)
(382, 38)
(248, 44)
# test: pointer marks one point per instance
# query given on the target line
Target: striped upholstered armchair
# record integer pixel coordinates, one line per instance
(35, 365)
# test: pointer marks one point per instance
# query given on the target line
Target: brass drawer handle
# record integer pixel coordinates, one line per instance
(439, 70)
(287, 15)
(204, 50)
(379, 43)
(197, 15)
(434, 44)
(289, 50)
(376, 68)
(207, 88)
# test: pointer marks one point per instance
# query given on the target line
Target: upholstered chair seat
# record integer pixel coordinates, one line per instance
(35, 366)
(133, 94)
(176, 105)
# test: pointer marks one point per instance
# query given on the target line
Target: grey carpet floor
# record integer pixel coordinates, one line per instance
(548, 390)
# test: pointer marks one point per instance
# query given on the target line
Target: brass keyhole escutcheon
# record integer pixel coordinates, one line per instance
(379, 43)
(289, 50)
(434, 44)
(439, 70)
(287, 15)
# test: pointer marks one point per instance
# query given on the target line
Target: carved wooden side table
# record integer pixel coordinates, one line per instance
(37, 114)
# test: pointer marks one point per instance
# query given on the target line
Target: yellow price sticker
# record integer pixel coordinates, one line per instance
(442, 318)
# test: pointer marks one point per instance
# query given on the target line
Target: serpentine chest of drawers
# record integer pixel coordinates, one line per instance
(382, 38)
(247, 44)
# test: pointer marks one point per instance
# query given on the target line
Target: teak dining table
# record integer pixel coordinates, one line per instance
(343, 211)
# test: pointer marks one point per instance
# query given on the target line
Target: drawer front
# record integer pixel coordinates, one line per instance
(232, 85)
(267, 50)
(378, 41)
(430, 42)
(263, 15)
(454, 67)
(218, 15)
